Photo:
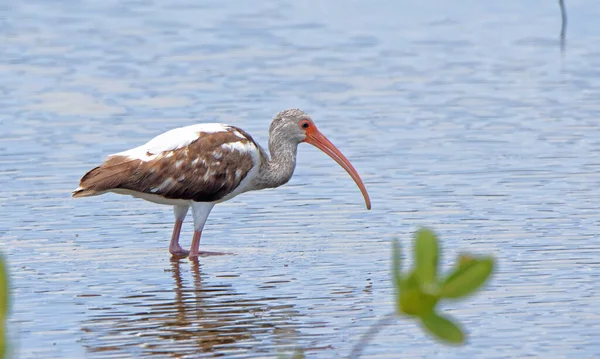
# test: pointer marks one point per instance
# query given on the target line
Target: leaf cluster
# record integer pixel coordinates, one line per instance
(421, 289)
(3, 307)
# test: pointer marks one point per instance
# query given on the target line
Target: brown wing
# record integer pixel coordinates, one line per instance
(206, 170)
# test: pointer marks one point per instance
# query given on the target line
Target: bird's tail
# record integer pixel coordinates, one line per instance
(111, 174)
(83, 192)
(86, 185)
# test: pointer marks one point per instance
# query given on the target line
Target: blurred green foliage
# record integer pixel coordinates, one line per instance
(419, 291)
(297, 354)
(3, 307)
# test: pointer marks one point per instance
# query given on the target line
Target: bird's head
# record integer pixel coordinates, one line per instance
(297, 126)
(292, 125)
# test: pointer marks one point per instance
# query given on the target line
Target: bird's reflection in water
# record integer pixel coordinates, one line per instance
(190, 320)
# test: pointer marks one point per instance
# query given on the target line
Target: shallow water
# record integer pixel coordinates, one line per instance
(462, 116)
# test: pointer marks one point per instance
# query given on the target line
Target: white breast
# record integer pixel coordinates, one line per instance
(246, 184)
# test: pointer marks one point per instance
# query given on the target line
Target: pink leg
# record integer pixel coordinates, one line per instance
(200, 211)
(195, 244)
(174, 247)
(194, 248)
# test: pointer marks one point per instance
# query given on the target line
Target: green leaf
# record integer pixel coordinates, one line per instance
(467, 277)
(298, 354)
(408, 298)
(3, 290)
(464, 259)
(413, 301)
(426, 257)
(443, 328)
(3, 306)
(396, 260)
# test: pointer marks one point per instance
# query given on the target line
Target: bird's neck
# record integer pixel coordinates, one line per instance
(279, 169)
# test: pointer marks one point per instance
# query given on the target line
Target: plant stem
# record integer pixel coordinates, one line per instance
(370, 333)
(563, 28)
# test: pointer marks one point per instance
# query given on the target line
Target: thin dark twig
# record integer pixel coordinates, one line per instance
(563, 29)
(369, 334)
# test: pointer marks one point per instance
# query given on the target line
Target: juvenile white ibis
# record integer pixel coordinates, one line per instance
(200, 165)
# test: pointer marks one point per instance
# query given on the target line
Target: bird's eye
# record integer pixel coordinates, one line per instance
(305, 124)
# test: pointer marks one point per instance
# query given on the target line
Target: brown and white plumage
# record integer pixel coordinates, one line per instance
(201, 165)
(208, 164)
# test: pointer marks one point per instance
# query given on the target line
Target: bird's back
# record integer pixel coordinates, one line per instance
(204, 163)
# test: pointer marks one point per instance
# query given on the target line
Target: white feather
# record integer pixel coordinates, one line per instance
(247, 147)
(246, 184)
(238, 134)
(172, 140)
(163, 185)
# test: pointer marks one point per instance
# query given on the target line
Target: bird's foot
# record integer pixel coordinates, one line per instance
(178, 252)
(206, 254)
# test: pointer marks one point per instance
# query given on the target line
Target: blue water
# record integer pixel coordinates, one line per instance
(464, 116)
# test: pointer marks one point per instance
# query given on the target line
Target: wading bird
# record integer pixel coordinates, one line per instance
(200, 165)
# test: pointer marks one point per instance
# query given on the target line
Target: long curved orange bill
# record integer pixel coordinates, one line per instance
(317, 139)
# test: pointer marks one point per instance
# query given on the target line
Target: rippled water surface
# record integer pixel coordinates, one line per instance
(463, 116)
